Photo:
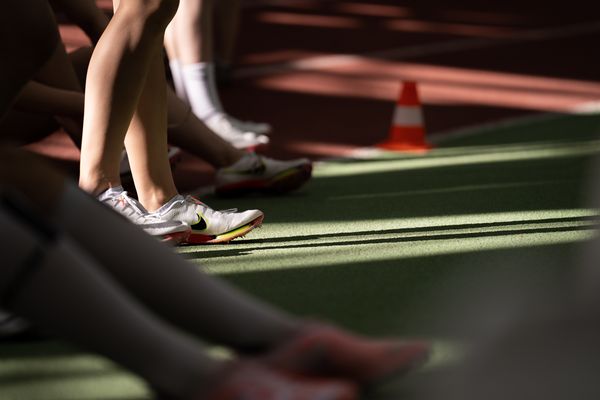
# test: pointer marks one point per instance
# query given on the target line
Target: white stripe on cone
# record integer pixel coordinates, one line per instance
(407, 116)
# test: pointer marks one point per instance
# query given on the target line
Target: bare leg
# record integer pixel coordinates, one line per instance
(53, 262)
(185, 130)
(171, 287)
(146, 140)
(118, 71)
(55, 280)
(38, 37)
(189, 36)
(55, 284)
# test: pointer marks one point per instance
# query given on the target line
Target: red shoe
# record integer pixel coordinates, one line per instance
(253, 381)
(321, 350)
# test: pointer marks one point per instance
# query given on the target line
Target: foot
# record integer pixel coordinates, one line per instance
(169, 231)
(238, 138)
(255, 173)
(208, 225)
(252, 381)
(260, 128)
(321, 350)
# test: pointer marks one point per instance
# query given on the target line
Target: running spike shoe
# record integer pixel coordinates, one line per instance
(256, 173)
(170, 231)
(208, 225)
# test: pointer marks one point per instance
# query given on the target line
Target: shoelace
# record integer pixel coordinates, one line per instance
(192, 199)
(129, 208)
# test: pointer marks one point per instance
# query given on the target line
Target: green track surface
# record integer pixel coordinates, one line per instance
(416, 245)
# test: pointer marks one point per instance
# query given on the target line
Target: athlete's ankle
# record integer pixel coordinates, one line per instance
(97, 186)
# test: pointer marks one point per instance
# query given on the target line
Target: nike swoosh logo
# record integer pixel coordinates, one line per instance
(200, 225)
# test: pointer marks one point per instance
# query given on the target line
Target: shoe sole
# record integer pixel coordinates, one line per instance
(199, 238)
(176, 238)
(284, 182)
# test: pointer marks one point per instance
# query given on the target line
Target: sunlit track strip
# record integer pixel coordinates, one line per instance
(397, 247)
(399, 238)
(444, 47)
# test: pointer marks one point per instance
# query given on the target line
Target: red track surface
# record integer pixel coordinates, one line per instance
(474, 61)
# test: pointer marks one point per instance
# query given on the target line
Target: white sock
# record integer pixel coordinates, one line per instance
(213, 92)
(214, 95)
(175, 66)
(195, 79)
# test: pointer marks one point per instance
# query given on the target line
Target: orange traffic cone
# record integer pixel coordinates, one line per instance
(408, 131)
